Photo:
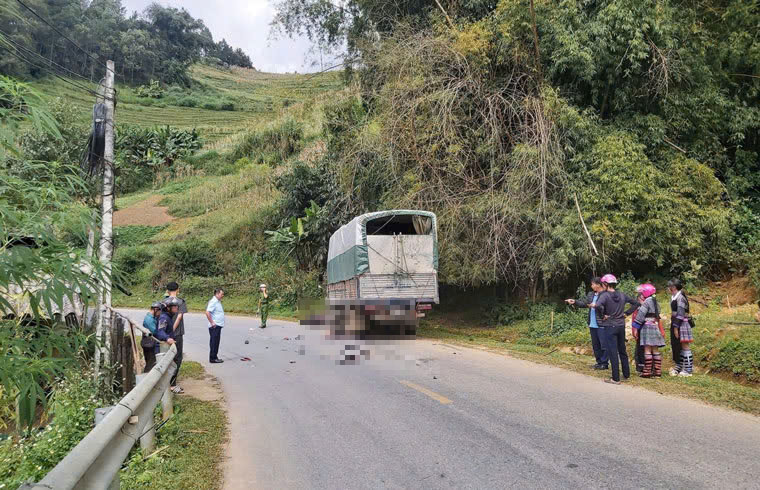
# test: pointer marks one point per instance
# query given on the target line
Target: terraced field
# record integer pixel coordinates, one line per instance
(257, 98)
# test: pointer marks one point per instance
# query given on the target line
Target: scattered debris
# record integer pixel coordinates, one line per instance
(435, 377)
(266, 347)
(287, 338)
(292, 362)
(247, 342)
(245, 359)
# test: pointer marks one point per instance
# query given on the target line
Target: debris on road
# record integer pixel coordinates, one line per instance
(292, 362)
(247, 342)
(245, 359)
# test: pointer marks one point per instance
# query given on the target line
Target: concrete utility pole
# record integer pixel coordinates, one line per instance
(105, 253)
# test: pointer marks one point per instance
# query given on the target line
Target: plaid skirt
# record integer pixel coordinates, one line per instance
(650, 335)
(684, 330)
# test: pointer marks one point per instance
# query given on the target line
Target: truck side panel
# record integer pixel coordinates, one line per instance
(420, 286)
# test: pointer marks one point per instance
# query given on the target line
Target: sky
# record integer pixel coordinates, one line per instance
(245, 24)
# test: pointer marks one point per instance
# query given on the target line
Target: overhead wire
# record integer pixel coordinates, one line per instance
(18, 53)
(63, 35)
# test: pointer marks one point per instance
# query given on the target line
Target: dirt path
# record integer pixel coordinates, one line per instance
(146, 212)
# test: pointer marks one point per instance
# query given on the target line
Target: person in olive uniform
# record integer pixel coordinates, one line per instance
(263, 305)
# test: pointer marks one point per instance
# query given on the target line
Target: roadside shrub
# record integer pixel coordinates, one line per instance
(72, 411)
(227, 106)
(739, 356)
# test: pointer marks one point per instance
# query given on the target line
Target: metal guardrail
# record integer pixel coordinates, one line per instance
(97, 459)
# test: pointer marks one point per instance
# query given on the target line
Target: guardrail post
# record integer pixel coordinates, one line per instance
(148, 440)
(100, 415)
(167, 399)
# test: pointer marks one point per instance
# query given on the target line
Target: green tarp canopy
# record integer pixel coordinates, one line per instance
(348, 254)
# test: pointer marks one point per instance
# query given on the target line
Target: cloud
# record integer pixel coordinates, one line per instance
(245, 24)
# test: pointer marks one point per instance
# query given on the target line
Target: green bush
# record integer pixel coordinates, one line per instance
(273, 145)
(152, 90)
(142, 152)
(738, 356)
(188, 101)
(191, 257)
(72, 410)
(128, 260)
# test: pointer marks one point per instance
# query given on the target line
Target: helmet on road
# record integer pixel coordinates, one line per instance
(609, 279)
(646, 290)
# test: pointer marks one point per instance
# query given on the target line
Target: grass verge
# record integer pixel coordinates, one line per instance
(702, 387)
(189, 446)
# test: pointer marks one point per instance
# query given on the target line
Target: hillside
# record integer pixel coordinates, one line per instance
(202, 221)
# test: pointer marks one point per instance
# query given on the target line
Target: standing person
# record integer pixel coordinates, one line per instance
(651, 335)
(178, 331)
(611, 308)
(215, 316)
(597, 335)
(263, 304)
(149, 344)
(681, 335)
(638, 354)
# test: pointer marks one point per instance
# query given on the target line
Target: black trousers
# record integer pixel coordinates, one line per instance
(215, 335)
(177, 359)
(150, 358)
(639, 355)
(615, 343)
(675, 346)
(597, 343)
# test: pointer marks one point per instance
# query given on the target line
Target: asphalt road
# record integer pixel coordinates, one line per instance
(430, 415)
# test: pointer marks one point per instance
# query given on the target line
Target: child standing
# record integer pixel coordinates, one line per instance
(681, 335)
(263, 304)
(651, 334)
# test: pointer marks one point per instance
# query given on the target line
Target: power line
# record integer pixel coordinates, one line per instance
(62, 34)
(39, 56)
(21, 56)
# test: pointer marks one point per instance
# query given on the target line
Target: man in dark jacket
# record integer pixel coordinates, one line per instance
(610, 307)
(178, 330)
(597, 334)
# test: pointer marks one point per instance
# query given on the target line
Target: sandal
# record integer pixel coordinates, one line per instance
(177, 390)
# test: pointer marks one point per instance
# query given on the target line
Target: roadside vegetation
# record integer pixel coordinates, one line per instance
(189, 447)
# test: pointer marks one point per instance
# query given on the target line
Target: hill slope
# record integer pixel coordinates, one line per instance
(221, 200)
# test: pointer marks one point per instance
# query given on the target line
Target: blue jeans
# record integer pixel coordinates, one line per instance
(615, 344)
(600, 353)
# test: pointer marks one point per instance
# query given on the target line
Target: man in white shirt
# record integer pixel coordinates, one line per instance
(215, 316)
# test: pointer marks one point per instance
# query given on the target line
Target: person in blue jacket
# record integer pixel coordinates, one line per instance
(149, 343)
(597, 335)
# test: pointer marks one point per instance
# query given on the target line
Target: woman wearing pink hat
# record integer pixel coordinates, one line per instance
(651, 334)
